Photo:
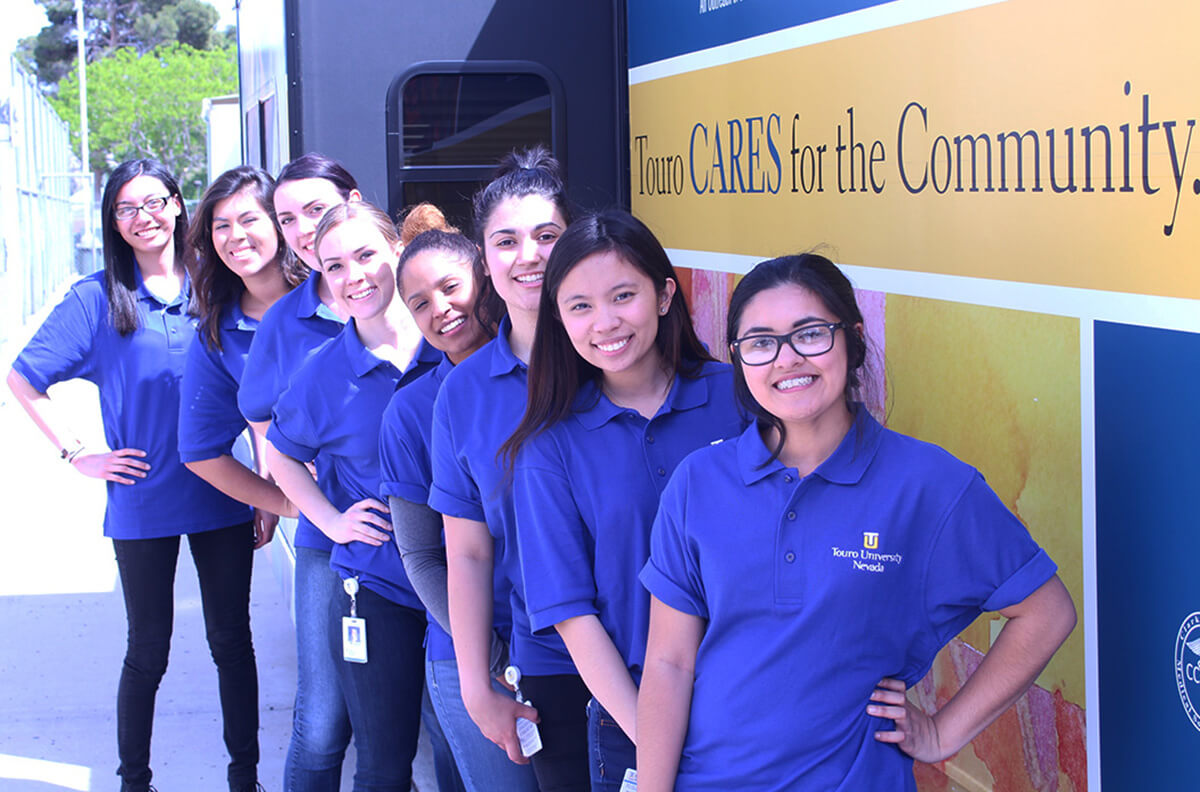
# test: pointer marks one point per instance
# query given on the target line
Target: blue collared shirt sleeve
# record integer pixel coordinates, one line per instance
(61, 349)
(553, 539)
(294, 428)
(453, 491)
(264, 380)
(404, 451)
(672, 573)
(209, 419)
(982, 559)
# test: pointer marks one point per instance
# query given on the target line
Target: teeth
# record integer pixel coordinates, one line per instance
(532, 277)
(449, 326)
(795, 382)
(367, 292)
(614, 346)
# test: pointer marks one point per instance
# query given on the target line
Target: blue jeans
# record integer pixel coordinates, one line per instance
(320, 725)
(444, 766)
(383, 695)
(482, 764)
(611, 750)
(223, 560)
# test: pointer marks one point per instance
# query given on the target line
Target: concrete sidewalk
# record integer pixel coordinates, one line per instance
(63, 623)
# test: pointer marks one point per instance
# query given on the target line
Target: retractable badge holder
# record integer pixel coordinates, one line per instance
(527, 730)
(354, 629)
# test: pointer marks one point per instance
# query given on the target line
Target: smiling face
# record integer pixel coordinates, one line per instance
(146, 232)
(243, 234)
(793, 388)
(439, 290)
(360, 266)
(517, 240)
(299, 206)
(610, 311)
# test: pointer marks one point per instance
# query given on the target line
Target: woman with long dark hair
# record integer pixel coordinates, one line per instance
(295, 327)
(621, 389)
(243, 267)
(807, 572)
(127, 330)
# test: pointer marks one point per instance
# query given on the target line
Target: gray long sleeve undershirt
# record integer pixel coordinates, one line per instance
(417, 532)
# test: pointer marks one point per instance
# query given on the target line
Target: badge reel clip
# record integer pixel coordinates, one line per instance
(354, 629)
(527, 730)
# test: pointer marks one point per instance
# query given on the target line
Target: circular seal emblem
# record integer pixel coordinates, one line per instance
(1187, 667)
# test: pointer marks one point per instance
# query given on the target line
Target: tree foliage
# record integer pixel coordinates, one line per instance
(111, 25)
(148, 105)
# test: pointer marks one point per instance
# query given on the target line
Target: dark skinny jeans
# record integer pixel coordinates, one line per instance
(223, 560)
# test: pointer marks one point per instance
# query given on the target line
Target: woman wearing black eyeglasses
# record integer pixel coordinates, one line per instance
(127, 330)
(804, 574)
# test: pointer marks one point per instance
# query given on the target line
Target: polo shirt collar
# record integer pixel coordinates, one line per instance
(308, 299)
(362, 361)
(846, 465)
(593, 409)
(504, 361)
(185, 290)
(234, 318)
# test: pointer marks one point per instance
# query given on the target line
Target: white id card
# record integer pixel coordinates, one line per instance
(630, 782)
(354, 640)
(530, 737)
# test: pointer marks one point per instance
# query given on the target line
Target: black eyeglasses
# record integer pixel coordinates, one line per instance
(808, 341)
(152, 206)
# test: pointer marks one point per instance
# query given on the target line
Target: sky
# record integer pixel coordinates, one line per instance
(25, 18)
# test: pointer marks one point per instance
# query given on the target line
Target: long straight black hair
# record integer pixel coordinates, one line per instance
(819, 275)
(120, 266)
(556, 370)
(216, 285)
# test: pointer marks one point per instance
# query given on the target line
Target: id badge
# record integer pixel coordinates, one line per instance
(630, 782)
(530, 737)
(354, 639)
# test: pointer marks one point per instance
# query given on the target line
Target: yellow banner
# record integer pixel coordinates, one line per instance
(1033, 141)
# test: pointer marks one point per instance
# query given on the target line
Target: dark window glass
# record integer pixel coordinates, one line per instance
(453, 198)
(473, 119)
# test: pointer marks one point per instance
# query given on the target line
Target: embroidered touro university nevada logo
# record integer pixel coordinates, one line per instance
(871, 540)
(1187, 667)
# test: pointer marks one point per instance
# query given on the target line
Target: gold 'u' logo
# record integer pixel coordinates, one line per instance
(870, 540)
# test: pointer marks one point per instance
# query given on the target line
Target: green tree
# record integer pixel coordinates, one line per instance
(111, 25)
(149, 106)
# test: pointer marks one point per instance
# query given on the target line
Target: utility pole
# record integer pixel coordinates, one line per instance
(81, 49)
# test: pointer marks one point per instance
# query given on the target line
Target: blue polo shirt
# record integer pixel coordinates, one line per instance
(333, 409)
(290, 332)
(586, 492)
(209, 419)
(404, 451)
(815, 588)
(478, 407)
(138, 376)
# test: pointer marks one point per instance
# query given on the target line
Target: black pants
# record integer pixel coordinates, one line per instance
(223, 560)
(561, 701)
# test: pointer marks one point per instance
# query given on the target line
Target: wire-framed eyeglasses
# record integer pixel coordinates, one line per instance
(811, 340)
(152, 206)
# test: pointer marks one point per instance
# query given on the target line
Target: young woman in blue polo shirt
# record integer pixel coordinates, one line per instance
(519, 217)
(299, 323)
(243, 267)
(621, 389)
(437, 282)
(333, 408)
(807, 572)
(127, 330)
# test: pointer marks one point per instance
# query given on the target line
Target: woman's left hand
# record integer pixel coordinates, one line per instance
(264, 527)
(916, 733)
